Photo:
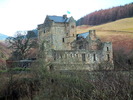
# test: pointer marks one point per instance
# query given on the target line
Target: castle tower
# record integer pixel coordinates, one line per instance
(58, 32)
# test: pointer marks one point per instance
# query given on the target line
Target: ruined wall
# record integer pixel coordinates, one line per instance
(62, 48)
(84, 56)
(107, 51)
(89, 59)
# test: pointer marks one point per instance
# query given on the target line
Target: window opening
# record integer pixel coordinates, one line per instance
(63, 40)
(66, 34)
(94, 57)
(107, 48)
(77, 55)
(83, 57)
(81, 47)
(72, 26)
(108, 57)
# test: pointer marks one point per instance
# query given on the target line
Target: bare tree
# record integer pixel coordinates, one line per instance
(21, 44)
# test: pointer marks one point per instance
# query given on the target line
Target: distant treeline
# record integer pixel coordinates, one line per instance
(107, 15)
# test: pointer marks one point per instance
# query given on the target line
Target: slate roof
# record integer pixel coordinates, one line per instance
(84, 35)
(58, 19)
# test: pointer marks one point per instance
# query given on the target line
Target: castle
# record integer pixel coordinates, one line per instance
(64, 47)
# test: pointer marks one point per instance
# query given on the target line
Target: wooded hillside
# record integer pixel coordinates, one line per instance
(107, 15)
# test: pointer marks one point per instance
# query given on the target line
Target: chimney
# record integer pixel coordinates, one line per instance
(65, 16)
(92, 34)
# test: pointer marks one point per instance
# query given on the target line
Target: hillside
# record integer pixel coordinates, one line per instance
(4, 53)
(119, 32)
(107, 15)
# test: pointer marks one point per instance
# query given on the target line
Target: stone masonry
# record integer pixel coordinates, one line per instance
(63, 47)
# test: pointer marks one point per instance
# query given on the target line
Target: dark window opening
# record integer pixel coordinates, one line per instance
(72, 26)
(54, 57)
(81, 47)
(44, 31)
(77, 37)
(107, 48)
(60, 55)
(108, 57)
(83, 57)
(73, 34)
(94, 57)
(63, 40)
(51, 67)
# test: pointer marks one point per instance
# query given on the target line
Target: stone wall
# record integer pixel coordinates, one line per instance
(63, 49)
(57, 35)
(84, 56)
(88, 59)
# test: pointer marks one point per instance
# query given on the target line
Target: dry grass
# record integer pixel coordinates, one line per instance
(120, 33)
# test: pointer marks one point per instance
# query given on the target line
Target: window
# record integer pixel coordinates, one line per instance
(76, 55)
(107, 48)
(83, 57)
(51, 67)
(63, 40)
(94, 57)
(108, 57)
(72, 26)
(73, 35)
(54, 57)
(60, 55)
(81, 47)
(44, 31)
(66, 34)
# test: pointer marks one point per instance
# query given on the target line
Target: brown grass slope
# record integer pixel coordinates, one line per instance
(119, 32)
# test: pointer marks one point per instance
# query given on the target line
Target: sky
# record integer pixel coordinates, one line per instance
(19, 15)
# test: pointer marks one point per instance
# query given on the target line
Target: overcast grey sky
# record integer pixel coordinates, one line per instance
(27, 14)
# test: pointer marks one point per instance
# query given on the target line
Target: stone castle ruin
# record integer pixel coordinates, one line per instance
(64, 47)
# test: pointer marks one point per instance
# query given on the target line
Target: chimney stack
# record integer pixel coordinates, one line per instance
(65, 16)
(92, 34)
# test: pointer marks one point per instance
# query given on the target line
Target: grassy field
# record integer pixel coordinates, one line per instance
(119, 32)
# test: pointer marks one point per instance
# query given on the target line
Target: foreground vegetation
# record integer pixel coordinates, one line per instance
(39, 83)
(43, 84)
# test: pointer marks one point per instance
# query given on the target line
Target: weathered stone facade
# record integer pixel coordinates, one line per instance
(64, 47)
